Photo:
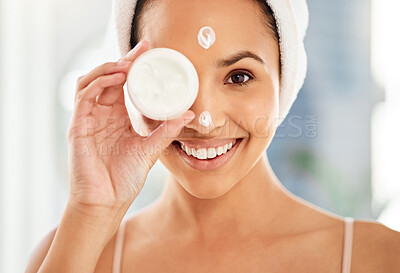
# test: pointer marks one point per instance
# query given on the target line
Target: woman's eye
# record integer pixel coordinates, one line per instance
(239, 79)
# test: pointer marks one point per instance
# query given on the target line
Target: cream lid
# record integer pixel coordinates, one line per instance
(162, 84)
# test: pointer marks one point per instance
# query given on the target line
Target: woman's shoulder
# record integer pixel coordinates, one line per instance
(40, 251)
(133, 226)
(376, 248)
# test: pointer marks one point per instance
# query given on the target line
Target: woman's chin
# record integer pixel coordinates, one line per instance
(210, 180)
(204, 188)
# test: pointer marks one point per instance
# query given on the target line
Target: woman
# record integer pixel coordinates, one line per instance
(234, 216)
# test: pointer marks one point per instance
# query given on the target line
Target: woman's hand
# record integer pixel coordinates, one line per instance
(108, 160)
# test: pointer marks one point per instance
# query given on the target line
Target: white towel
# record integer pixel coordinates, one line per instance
(292, 21)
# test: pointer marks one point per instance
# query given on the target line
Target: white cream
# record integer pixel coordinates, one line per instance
(206, 37)
(205, 119)
(162, 84)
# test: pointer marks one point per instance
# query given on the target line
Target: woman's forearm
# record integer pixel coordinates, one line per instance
(79, 241)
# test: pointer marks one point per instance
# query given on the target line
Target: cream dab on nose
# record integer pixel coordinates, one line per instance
(206, 37)
(205, 119)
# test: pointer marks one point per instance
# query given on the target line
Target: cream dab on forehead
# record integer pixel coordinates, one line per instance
(206, 37)
(205, 119)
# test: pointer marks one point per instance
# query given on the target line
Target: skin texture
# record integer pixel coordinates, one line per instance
(238, 218)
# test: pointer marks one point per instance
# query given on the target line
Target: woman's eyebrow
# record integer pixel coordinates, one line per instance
(237, 57)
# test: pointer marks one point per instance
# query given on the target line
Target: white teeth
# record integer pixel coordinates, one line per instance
(211, 153)
(225, 148)
(202, 153)
(205, 153)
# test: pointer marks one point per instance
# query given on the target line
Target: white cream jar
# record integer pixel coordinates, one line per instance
(161, 84)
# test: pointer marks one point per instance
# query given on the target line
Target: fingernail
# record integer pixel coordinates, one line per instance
(188, 116)
(123, 63)
(138, 44)
(136, 47)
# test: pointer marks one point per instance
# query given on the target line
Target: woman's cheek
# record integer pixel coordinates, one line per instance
(258, 113)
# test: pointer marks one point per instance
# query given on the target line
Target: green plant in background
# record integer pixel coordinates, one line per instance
(347, 199)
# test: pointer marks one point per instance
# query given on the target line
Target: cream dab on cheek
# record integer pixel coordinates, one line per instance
(206, 37)
(205, 119)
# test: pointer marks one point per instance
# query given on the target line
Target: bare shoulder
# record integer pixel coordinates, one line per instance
(39, 252)
(376, 248)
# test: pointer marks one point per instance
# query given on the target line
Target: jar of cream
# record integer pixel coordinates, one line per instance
(162, 84)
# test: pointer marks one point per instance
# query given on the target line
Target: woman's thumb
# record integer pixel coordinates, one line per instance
(164, 134)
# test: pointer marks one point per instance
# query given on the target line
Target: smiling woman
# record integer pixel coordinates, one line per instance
(223, 209)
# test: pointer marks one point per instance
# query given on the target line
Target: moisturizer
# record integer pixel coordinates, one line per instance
(206, 37)
(162, 84)
(205, 119)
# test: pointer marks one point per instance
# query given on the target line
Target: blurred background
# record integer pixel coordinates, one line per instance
(338, 148)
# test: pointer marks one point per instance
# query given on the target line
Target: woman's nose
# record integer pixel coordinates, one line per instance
(209, 112)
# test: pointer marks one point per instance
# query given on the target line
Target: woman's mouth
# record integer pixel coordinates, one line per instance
(207, 155)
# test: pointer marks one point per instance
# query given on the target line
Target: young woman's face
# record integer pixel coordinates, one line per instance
(239, 86)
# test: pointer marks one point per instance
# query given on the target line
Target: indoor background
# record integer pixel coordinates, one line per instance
(338, 148)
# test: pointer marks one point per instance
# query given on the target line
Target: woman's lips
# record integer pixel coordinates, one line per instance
(210, 163)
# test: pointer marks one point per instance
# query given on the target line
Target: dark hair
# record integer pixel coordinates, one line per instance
(143, 5)
(136, 31)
